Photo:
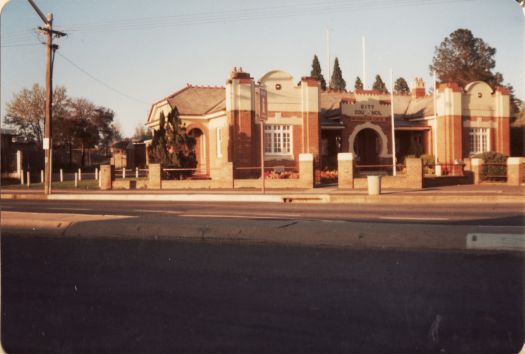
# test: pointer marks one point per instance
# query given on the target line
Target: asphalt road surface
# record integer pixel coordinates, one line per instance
(136, 294)
(110, 296)
(476, 214)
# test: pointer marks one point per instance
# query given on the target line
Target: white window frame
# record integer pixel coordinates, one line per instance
(479, 140)
(278, 139)
(219, 142)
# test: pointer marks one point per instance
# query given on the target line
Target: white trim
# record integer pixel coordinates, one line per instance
(219, 142)
(367, 125)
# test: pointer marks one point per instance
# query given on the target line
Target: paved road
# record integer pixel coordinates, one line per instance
(137, 295)
(464, 214)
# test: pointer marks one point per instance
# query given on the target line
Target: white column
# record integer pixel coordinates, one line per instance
(79, 174)
(61, 175)
(28, 179)
(76, 179)
(41, 176)
(124, 172)
(136, 172)
(22, 177)
(96, 173)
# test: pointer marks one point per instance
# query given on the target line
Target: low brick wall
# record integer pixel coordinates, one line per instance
(442, 181)
(271, 183)
(195, 184)
(386, 182)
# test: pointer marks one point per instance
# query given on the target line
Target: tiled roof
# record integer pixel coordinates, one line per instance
(199, 100)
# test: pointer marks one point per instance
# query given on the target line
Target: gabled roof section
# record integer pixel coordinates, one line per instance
(199, 100)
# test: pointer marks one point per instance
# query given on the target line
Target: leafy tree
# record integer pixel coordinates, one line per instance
(26, 111)
(358, 84)
(337, 83)
(379, 85)
(463, 58)
(171, 146)
(316, 72)
(401, 86)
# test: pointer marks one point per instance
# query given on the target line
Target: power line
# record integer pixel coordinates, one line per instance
(100, 81)
(250, 14)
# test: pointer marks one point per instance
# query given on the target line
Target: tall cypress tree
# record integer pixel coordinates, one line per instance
(316, 72)
(379, 85)
(358, 84)
(401, 86)
(337, 83)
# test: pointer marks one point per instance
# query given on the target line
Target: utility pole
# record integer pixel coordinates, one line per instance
(47, 29)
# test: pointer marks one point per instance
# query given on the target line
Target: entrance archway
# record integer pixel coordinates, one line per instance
(367, 146)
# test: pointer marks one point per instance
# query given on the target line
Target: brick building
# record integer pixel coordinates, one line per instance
(451, 125)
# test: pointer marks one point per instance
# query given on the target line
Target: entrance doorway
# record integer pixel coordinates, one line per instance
(367, 146)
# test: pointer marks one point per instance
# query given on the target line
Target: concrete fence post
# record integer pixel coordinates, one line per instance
(28, 179)
(345, 170)
(106, 177)
(79, 174)
(414, 172)
(306, 170)
(96, 173)
(41, 176)
(136, 172)
(155, 176)
(76, 179)
(21, 172)
(515, 171)
(61, 175)
(475, 165)
(123, 172)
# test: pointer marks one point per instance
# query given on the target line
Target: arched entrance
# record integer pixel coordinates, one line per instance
(367, 146)
(200, 151)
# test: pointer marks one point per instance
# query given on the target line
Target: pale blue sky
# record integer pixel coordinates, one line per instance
(148, 49)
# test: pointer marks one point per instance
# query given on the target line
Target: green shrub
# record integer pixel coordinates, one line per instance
(494, 165)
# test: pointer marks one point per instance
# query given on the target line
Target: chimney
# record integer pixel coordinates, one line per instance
(418, 88)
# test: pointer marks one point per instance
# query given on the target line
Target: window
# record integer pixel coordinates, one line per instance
(277, 139)
(479, 140)
(219, 142)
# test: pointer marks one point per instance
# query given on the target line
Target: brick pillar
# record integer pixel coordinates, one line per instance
(475, 165)
(345, 170)
(468, 164)
(306, 170)
(106, 177)
(155, 176)
(414, 172)
(515, 171)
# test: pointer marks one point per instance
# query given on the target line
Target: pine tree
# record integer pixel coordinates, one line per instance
(171, 146)
(358, 84)
(316, 72)
(401, 86)
(337, 83)
(379, 85)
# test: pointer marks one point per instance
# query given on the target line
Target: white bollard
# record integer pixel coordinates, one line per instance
(76, 179)
(124, 173)
(22, 177)
(41, 176)
(136, 172)
(28, 179)
(96, 173)
(61, 175)
(79, 174)
(374, 185)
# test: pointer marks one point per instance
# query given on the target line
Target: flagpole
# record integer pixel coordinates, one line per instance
(392, 122)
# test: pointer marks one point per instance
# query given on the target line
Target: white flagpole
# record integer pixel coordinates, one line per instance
(392, 121)
(364, 62)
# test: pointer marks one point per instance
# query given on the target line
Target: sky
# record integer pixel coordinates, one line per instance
(128, 54)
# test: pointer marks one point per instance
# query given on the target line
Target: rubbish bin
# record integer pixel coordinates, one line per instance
(374, 185)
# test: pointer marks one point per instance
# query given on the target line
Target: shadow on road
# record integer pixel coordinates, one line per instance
(135, 295)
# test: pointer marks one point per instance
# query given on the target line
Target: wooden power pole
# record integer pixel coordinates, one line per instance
(47, 29)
